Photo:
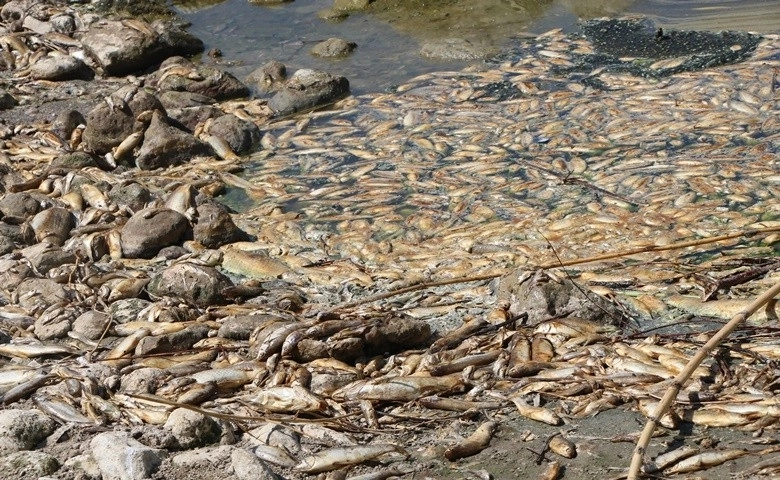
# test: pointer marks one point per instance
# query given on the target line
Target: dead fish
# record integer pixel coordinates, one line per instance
(562, 446)
(475, 443)
(397, 389)
(33, 350)
(540, 414)
(338, 457)
(705, 460)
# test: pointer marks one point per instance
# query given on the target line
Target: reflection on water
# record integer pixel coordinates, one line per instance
(391, 33)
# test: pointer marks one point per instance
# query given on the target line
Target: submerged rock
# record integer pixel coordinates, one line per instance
(307, 89)
(333, 47)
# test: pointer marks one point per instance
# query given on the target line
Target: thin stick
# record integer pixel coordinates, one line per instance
(693, 363)
(555, 264)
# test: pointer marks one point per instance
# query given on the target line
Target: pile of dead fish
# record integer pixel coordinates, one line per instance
(132, 298)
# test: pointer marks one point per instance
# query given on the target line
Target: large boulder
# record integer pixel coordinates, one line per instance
(130, 45)
(151, 229)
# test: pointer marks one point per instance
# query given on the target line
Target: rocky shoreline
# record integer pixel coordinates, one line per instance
(147, 330)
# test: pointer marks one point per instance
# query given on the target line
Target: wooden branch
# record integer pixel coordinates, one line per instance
(679, 382)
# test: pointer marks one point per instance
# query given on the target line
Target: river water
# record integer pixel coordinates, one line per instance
(391, 33)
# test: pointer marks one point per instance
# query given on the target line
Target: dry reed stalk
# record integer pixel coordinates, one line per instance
(679, 382)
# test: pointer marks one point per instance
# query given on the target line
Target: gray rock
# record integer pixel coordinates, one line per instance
(246, 466)
(6, 245)
(7, 101)
(176, 99)
(242, 135)
(172, 342)
(276, 435)
(269, 77)
(241, 327)
(44, 256)
(192, 429)
(543, 297)
(28, 465)
(133, 195)
(75, 160)
(190, 117)
(38, 294)
(52, 225)
(307, 89)
(22, 234)
(13, 273)
(215, 226)
(23, 429)
(120, 457)
(165, 145)
(67, 121)
(91, 324)
(333, 47)
(21, 205)
(123, 47)
(454, 49)
(83, 464)
(127, 309)
(60, 67)
(63, 23)
(143, 380)
(13, 14)
(110, 122)
(151, 229)
(202, 457)
(198, 284)
(179, 74)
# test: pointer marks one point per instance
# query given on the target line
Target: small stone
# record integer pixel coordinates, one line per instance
(127, 309)
(121, 457)
(165, 145)
(7, 101)
(198, 284)
(91, 324)
(246, 466)
(143, 380)
(38, 294)
(306, 89)
(53, 225)
(75, 160)
(241, 135)
(241, 327)
(269, 77)
(44, 256)
(28, 465)
(333, 47)
(60, 67)
(215, 226)
(151, 229)
(192, 429)
(23, 429)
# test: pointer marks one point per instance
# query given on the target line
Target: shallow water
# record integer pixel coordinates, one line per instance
(391, 33)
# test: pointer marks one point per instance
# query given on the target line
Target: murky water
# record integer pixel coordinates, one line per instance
(391, 33)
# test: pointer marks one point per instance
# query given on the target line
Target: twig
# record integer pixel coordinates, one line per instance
(557, 263)
(679, 382)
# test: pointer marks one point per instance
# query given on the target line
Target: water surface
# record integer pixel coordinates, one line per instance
(391, 33)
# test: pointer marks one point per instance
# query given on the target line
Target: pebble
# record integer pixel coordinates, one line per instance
(246, 466)
(192, 429)
(121, 457)
(23, 429)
